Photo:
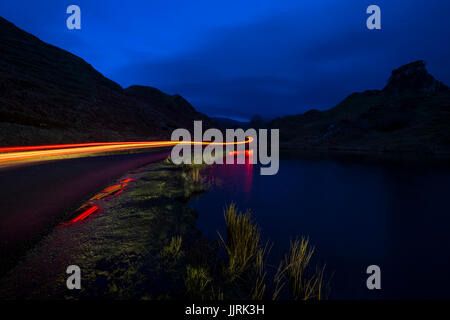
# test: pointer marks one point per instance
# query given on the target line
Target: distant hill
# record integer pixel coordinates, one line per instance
(411, 113)
(228, 123)
(48, 95)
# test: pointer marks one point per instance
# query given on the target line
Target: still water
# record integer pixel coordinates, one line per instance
(356, 214)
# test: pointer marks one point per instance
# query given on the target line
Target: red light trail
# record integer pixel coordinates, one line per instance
(11, 155)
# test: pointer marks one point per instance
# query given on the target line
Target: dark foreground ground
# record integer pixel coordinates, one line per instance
(36, 198)
(119, 248)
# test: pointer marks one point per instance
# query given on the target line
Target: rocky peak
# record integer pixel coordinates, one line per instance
(413, 77)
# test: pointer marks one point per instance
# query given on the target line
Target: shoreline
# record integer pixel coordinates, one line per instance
(413, 158)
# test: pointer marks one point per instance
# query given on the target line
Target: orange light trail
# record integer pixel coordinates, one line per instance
(55, 146)
(36, 153)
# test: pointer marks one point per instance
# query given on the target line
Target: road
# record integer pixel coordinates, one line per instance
(35, 197)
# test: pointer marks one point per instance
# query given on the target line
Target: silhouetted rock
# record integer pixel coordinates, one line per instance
(413, 77)
(412, 113)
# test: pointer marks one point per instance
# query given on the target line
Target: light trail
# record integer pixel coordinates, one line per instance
(55, 146)
(11, 155)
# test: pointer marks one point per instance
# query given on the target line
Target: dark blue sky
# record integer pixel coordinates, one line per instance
(240, 58)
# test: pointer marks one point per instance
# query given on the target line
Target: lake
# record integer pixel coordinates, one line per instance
(356, 213)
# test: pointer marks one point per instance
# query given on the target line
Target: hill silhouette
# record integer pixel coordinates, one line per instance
(411, 113)
(48, 95)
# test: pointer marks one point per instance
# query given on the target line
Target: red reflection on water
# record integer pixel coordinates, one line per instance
(237, 177)
(249, 171)
(246, 152)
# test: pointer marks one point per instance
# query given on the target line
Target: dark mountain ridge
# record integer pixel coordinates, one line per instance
(228, 123)
(411, 113)
(48, 95)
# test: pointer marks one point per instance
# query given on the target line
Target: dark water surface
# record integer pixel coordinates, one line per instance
(394, 215)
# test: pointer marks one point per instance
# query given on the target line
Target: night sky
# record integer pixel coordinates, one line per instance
(240, 58)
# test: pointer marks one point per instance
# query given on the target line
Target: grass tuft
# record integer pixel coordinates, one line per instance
(242, 243)
(243, 272)
(172, 253)
(301, 285)
(197, 282)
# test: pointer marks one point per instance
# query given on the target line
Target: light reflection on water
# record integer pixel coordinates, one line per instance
(355, 214)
